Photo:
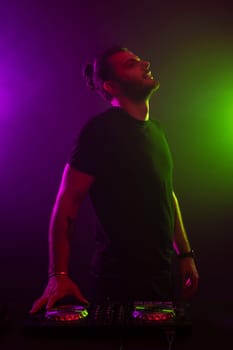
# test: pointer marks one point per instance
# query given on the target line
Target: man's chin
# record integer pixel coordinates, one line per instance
(154, 87)
(156, 84)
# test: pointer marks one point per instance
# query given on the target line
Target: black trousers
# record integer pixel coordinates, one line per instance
(131, 287)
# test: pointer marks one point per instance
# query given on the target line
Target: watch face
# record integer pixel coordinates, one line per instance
(67, 313)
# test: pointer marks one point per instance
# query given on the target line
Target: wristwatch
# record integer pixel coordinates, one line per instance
(189, 254)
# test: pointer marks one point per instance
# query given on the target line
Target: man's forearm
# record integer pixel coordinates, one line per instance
(181, 242)
(59, 245)
(60, 232)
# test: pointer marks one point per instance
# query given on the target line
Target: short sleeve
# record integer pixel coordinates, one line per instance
(87, 154)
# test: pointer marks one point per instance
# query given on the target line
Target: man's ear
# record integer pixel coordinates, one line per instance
(111, 87)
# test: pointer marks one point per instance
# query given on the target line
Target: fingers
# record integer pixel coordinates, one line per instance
(190, 285)
(57, 289)
(49, 301)
(79, 296)
(38, 304)
(52, 300)
(194, 284)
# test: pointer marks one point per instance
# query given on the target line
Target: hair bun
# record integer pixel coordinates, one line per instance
(88, 73)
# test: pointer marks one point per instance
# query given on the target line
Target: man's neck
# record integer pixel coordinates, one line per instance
(137, 109)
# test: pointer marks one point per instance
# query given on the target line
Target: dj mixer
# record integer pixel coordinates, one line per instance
(139, 318)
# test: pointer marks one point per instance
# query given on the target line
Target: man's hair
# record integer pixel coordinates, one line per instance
(101, 70)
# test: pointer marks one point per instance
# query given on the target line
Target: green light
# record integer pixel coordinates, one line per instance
(199, 103)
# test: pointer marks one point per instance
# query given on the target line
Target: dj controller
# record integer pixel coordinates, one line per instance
(139, 318)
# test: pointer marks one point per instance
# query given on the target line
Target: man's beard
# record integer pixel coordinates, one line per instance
(138, 92)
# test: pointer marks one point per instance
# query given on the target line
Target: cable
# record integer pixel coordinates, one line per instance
(170, 335)
(121, 342)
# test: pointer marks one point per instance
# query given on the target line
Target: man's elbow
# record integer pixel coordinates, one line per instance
(68, 203)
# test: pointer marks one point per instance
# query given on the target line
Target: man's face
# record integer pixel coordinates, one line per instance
(133, 75)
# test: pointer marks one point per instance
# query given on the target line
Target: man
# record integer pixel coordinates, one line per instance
(123, 160)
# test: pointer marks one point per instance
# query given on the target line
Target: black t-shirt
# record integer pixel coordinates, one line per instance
(132, 192)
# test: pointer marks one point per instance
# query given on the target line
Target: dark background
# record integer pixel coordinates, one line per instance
(44, 103)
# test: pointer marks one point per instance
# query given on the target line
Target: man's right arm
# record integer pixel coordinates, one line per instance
(73, 189)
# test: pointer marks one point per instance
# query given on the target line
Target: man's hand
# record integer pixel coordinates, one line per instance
(57, 288)
(189, 277)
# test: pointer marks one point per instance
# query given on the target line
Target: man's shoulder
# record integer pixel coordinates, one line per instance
(156, 123)
(98, 124)
(101, 117)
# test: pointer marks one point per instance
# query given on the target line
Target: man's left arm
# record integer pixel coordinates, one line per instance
(181, 244)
